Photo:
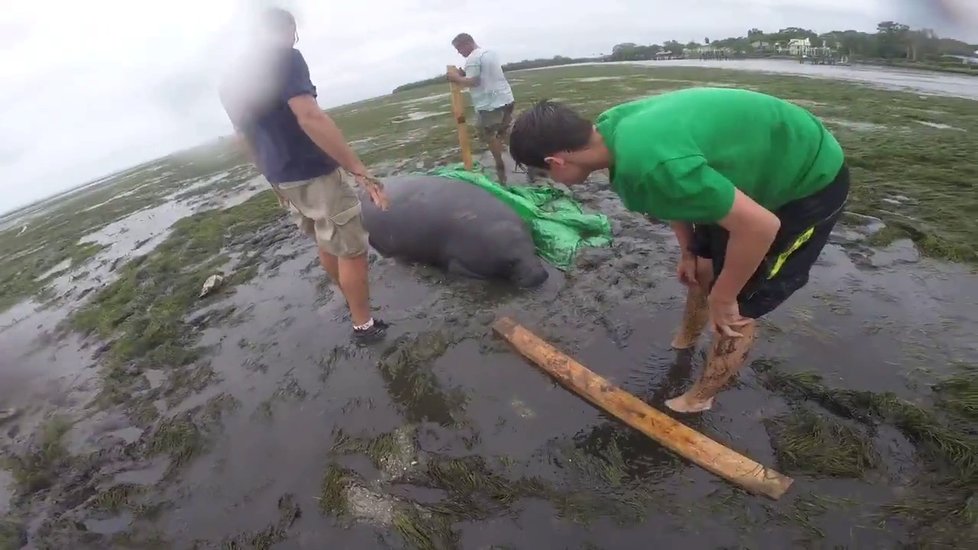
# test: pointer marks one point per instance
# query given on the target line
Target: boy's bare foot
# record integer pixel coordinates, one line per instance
(686, 404)
(683, 341)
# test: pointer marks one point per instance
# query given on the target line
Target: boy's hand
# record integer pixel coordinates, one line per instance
(725, 316)
(686, 270)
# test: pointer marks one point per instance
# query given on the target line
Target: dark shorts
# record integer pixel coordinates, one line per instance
(495, 123)
(805, 227)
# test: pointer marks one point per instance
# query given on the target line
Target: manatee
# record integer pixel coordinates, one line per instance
(453, 225)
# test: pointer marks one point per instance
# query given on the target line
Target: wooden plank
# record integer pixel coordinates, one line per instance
(458, 111)
(674, 435)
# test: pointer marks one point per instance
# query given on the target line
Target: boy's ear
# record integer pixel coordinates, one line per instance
(554, 161)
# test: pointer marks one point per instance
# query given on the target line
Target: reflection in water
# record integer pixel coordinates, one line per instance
(406, 368)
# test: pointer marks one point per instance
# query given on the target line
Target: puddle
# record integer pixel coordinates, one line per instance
(109, 526)
(146, 228)
(415, 116)
(150, 475)
(855, 125)
(597, 78)
(426, 99)
(940, 126)
(65, 264)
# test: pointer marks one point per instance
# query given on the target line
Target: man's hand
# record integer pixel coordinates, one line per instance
(686, 269)
(725, 316)
(374, 187)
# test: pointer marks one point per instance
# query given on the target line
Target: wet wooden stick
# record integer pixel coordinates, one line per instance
(458, 111)
(676, 436)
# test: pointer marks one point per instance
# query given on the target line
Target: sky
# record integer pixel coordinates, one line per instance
(97, 86)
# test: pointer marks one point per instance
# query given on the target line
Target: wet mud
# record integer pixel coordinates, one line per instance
(139, 415)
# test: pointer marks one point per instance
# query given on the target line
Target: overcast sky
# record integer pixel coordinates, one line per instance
(91, 87)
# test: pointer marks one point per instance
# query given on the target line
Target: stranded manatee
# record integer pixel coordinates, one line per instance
(453, 225)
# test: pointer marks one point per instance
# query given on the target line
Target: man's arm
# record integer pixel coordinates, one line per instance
(472, 73)
(752, 230)
(325, 133)
(467, 81)
(299, 92)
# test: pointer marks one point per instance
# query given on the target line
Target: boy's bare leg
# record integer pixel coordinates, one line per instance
(695, 317)
(726, 358)
(697, 313)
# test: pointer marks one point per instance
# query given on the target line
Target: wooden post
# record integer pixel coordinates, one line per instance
(458, 111)
(678, 437)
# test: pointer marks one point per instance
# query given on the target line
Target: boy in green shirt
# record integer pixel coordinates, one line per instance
(752, 186)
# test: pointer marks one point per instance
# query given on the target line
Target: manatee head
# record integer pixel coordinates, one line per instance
(516, 254)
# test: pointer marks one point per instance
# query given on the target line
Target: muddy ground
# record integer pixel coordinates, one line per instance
(137, 415)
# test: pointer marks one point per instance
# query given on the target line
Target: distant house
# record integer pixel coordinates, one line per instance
(965, 59)
(762, 45)
(798, 46)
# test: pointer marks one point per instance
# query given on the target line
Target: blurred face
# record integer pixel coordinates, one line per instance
(464, 48)
(277, 35)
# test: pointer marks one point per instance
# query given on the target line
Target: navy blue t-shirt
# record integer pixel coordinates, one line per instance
(284, 152)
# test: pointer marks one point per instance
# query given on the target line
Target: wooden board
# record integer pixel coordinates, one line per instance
(676, 436)
(458, 111)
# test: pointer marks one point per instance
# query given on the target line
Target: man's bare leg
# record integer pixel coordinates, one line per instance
(726, 358)
(697, 313)
(355, 287)
(330, 264)
(496, 148)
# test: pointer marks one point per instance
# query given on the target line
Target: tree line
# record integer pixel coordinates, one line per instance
(515, 66)
(891, 41)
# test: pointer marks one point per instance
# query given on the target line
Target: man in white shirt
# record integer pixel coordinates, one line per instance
(491, 95)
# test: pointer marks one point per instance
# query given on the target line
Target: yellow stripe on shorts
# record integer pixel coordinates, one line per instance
(783, 257)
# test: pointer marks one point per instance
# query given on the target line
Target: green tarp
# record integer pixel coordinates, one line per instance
(555, 219)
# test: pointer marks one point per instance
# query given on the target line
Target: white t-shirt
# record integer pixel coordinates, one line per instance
(493, 90)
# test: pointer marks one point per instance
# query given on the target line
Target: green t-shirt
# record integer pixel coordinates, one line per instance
(680, 155)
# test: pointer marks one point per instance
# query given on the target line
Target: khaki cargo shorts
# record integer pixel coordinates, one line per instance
(495, 123)
(328, 209)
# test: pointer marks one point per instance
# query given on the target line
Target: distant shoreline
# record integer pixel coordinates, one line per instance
(912, 66)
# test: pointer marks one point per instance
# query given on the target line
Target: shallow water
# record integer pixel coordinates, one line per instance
(924, 82)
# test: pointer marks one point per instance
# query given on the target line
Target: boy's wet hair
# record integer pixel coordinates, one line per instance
(544, 129)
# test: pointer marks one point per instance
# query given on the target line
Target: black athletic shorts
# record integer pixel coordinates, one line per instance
(805, 227)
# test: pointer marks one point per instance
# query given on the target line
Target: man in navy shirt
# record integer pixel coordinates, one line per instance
(271, 102)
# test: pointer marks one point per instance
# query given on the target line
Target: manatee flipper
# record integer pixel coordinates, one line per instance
(456, 267)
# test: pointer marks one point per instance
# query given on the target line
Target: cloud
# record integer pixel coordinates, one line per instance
(93, 87)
